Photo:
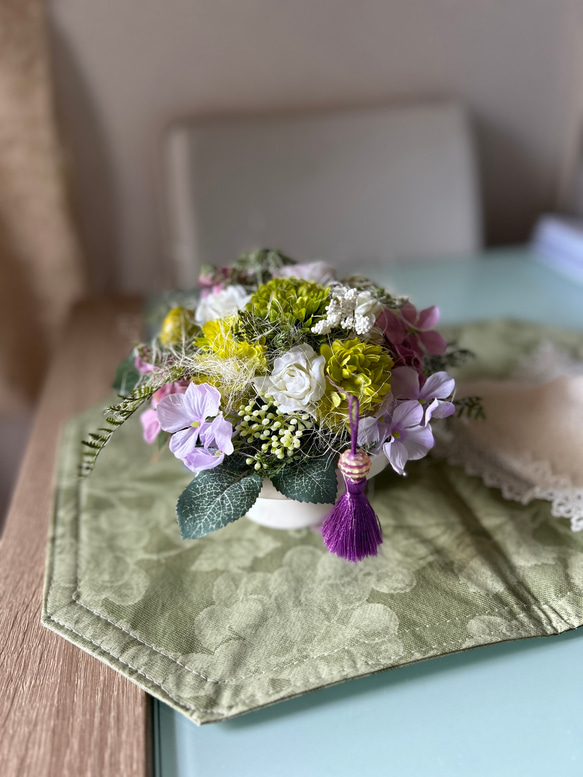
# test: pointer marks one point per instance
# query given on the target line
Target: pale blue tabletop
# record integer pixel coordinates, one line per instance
(508, 710)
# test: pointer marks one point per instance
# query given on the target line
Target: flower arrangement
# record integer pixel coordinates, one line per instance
(282, 371)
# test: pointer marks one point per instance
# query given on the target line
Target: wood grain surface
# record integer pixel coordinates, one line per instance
(62, 712)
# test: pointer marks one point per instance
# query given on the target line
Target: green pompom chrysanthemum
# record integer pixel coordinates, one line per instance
(281, 306)
(360, 369)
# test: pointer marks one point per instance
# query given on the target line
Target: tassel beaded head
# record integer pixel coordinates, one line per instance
(355, 466)
(352, 529)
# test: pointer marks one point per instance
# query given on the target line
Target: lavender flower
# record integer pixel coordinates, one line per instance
(374, 430)
(406, 384)
(409, 438)
(149, 418)
(410, 334)
(199, 443)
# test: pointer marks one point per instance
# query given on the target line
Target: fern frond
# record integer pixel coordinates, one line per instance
(116, 415)
(470, 408)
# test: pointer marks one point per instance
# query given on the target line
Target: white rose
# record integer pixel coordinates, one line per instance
(366, 304)
(297, 380)
(226, 302)
(317, 272)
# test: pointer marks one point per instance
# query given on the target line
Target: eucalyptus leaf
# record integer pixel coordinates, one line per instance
(216, 497)
(312, 480)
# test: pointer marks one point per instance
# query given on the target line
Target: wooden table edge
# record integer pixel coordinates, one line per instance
(62, 712)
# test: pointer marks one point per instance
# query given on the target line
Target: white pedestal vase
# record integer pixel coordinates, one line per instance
(276, 511)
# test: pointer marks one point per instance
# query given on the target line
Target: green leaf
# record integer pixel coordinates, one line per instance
(312, 480)
(215, 498)
(126, 376)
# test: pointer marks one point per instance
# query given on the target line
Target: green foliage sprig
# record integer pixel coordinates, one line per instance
(251, 269)
(470, 408)
(452, 358)
(116, 415)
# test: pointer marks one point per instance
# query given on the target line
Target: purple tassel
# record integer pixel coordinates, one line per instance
(352, 529)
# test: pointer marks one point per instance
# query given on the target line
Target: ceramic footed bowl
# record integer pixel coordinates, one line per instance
(276, 511)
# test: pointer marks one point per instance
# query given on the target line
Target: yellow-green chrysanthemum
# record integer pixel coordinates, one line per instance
(217, 338)
(226, 363)
(360, 369)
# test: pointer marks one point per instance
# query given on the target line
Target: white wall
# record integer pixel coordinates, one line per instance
(127, 67)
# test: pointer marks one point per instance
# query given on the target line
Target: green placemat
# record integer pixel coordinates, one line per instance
(249, 616)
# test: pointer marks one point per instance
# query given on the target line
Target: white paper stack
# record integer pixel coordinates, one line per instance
(558, 243)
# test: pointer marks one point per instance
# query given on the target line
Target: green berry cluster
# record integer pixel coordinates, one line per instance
(273, 435)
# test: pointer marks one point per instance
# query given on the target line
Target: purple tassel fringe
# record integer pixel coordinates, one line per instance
(352, 529)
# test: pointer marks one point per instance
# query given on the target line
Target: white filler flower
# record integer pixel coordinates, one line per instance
(350, 309)
(226, 302)
(297, 380)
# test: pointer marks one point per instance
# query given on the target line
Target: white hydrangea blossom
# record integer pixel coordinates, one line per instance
(350, 309)
(220, 304)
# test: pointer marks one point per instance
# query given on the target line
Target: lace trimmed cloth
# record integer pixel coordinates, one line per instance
(530, 445)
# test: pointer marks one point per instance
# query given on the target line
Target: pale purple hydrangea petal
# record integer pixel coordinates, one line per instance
(439, 408)
(376, 429)
(178, 387)
(173, 413)
(428, 318)
(418, 442)
(410, 437)
(202, 401)
(409, 332)
(409, 313)
(393, 327)
(434, 342)
(184, 442)
(220, 433)
(185, 416)
(405, 383)
(368, 431)
(397, 455)
(409, 353)
(421, 321)
(150, 425)
(201, 459)
(437, 386)
(406, 414)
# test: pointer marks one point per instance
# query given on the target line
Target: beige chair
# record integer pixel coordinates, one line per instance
(373, 185)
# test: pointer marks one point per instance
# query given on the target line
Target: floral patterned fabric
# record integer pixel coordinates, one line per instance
(249, 616)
